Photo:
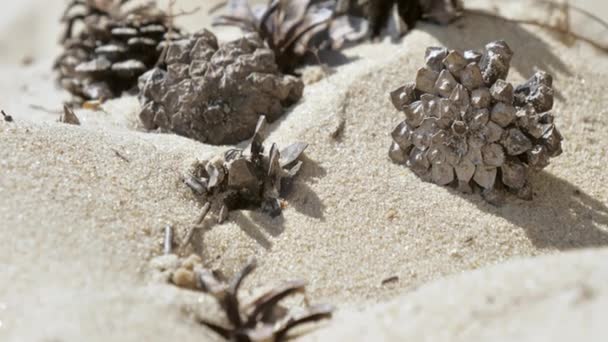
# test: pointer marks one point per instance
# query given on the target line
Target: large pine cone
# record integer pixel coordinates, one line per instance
(216, 94)
(466, 126)
(113, 48)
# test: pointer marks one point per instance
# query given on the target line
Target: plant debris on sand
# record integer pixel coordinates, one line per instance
(395, 13)
(262, 319)
(215, 93)
(246, 179)
(294, 28)
(112, 48)
(466, 126)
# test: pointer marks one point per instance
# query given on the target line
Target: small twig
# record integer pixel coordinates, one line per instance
(539, 24)
(119, 155)
(44, 109)
(7, 117)
(168, 242)
(184, 13)
(217, 7)
(197, 225)
(389, 280)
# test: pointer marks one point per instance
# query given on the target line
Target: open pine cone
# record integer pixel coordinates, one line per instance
(112, 49)
(247, 179)
(216, 94)
(466, 126)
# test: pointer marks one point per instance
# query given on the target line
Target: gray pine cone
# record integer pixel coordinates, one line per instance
(112, 49)
(467, 127)
(215, 94)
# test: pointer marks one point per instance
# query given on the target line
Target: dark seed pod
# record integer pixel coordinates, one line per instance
(113, 48)
(215, 94)
(466, 126)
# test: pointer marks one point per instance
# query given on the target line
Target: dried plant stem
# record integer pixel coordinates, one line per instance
(217, 7)
(44, 109)
(197, 225)
(534, 22)
(168, 241)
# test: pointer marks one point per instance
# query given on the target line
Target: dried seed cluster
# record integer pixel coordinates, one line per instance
(263, 319)
(247, 179)
(466, 126)
(215, 94)
(113, 48)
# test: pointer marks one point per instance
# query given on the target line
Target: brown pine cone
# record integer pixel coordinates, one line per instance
(216, 93)
(111, 50)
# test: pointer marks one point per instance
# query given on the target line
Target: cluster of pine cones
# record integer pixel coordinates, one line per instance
(112, 49)
(466, 126)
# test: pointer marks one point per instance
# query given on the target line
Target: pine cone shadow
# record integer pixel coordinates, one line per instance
(300, 195)
(259, 225)
(474, 30)
(256, 224)
(560, 216)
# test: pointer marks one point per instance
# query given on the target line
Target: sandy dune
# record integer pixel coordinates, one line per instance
(80, 223)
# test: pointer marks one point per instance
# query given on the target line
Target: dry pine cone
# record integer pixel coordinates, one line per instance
(113, 48)
(466, 126)
(247, 179)
(215, 94)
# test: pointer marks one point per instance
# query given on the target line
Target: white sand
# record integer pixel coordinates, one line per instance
(80, 224)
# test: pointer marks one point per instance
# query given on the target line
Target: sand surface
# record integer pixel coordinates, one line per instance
(82, 208)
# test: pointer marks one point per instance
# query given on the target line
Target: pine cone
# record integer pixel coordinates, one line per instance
(466, 126)
(247, 179)
(215, 94)
(112, 50)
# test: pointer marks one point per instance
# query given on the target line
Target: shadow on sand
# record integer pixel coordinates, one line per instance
(560, 216)
(299, 195)
(474, 31)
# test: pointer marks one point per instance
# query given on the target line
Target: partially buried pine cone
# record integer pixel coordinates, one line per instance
(248, 179)
(111, 49)
(216, 93)
(466, 126)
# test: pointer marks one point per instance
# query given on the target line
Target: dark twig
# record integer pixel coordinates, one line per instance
(119, 155)
(217, 7)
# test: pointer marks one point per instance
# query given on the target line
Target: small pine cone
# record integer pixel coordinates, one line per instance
(465, 126)
(113, 48)
(216, 94)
